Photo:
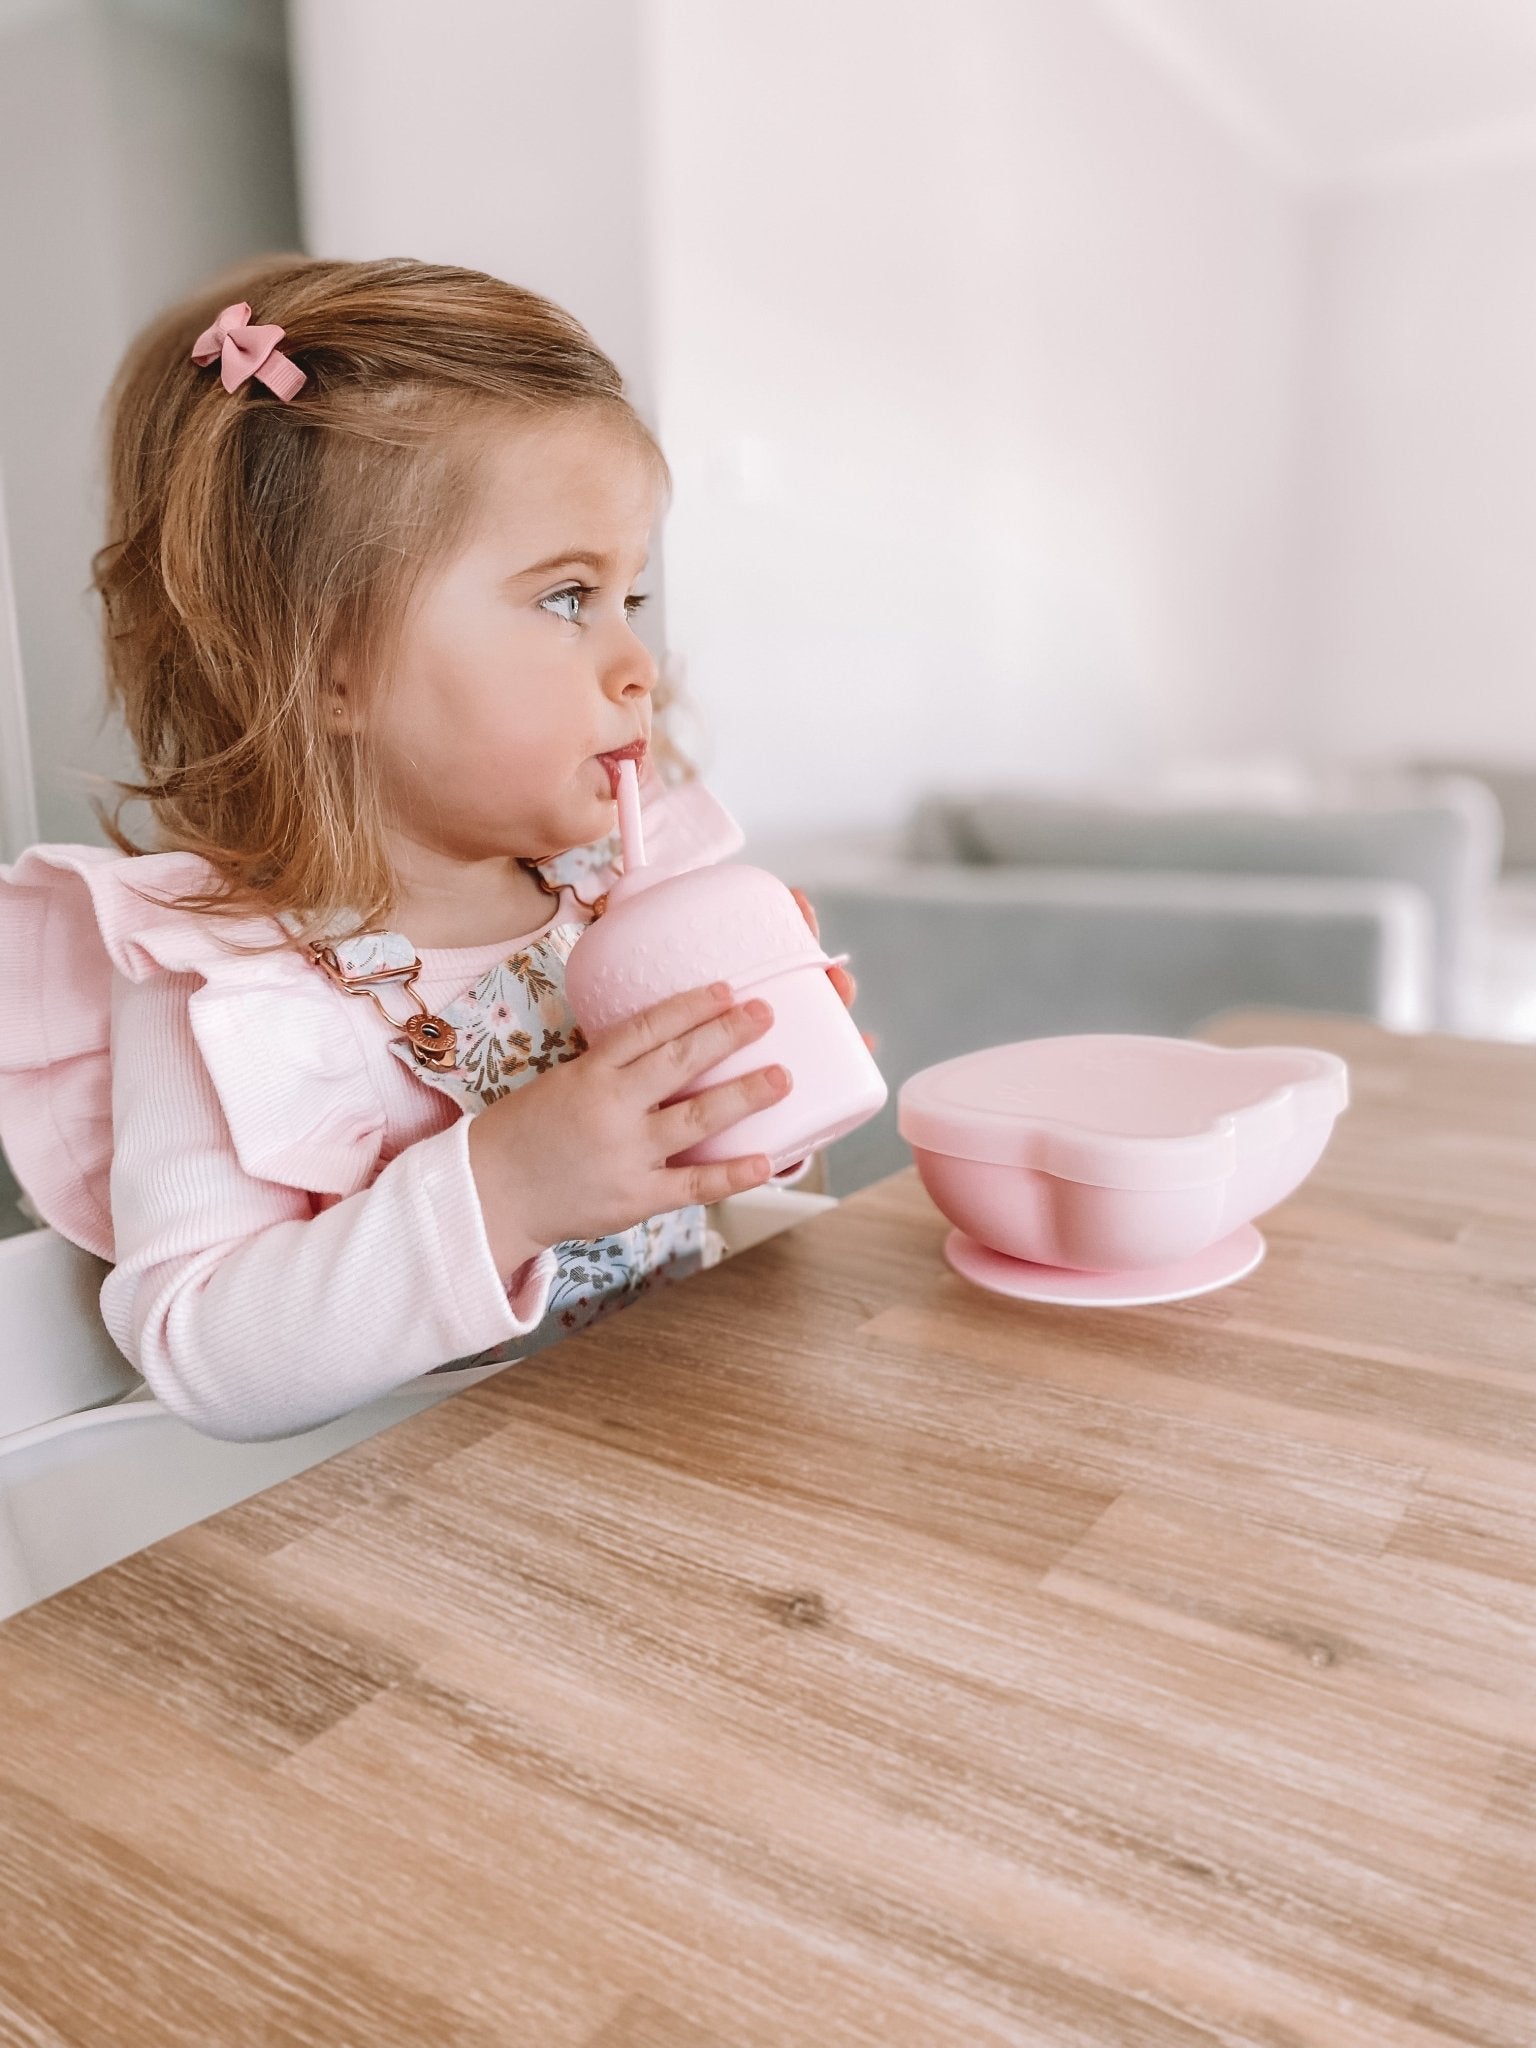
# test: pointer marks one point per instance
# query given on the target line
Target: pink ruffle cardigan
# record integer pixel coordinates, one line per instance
(227, 1129)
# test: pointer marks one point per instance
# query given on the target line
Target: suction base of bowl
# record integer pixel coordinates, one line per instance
(1231, 1258)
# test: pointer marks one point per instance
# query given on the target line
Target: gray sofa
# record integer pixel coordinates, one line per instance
(1507, 967)
(998, 917)
(1440, 835)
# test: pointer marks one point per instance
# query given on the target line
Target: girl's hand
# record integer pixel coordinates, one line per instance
(839, 977)
(582, 1151)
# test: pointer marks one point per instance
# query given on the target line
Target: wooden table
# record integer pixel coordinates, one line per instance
(831, 1654)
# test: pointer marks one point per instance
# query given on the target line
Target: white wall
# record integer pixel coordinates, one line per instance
(1421, 586)
(62, 326)
(977, 360)
(506, 135)
(138, 152)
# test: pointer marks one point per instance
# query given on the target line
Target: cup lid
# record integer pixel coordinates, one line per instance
(719, 923)
(1122, 1111)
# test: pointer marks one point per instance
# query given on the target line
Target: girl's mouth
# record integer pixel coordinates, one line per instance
(635, 751)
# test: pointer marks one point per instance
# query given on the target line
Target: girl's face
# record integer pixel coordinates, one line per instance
(518, 668)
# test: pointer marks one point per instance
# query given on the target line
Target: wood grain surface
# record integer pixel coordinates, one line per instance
(827, 1654)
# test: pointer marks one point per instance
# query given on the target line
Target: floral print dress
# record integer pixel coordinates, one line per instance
(513, 1025)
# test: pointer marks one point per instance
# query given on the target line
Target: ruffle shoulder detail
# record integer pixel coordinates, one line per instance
(283, 1050)
(280, 1049)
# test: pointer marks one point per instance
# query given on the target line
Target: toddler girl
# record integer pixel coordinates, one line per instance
(305, 1075)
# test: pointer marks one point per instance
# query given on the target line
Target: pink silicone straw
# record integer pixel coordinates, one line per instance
(631, 831)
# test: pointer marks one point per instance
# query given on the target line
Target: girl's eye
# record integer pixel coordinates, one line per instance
(566, 604)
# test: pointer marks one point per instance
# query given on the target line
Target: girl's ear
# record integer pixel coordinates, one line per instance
(343, 712)
(342, 722)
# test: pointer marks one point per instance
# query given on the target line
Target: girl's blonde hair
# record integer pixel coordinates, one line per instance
(254, 546)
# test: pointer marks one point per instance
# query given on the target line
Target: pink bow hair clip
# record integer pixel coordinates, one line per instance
(248, 351)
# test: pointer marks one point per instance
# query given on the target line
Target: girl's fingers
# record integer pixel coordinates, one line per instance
(839, 977)
(668, 1068)
(714, 1182)
(642, 1034)
(682, 1124)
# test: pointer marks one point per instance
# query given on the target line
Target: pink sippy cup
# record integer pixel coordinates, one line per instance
(663, 933)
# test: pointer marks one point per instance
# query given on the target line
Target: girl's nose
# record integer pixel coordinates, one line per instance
(632, 672)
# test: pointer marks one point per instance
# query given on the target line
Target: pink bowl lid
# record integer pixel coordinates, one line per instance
(1120, 1111)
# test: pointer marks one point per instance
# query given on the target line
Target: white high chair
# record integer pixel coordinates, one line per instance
(92, 1468)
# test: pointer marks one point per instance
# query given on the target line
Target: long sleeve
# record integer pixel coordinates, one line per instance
(251, 1310)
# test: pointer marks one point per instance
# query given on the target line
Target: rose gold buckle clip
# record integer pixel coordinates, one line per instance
(433, 1042)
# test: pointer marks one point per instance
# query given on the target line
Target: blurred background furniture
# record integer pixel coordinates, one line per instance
(1504, 994)
(1513, 787)
(1438, 835)
(1014, 914)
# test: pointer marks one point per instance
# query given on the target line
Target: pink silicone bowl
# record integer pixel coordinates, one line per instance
(1110, 1153)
